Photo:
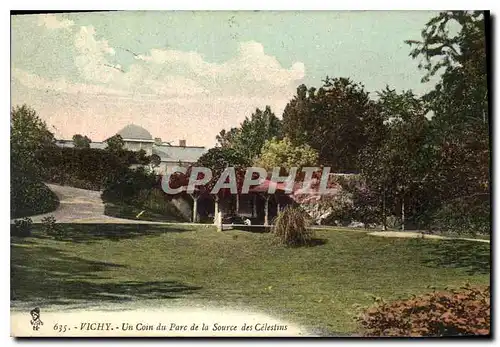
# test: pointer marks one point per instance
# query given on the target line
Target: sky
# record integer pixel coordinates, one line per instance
(188, 75)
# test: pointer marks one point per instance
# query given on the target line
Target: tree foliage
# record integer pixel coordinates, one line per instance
(81, 141)
(29, 137)
(217, 160)
(333, 120)
(459, 131)
(430, 162)
(115, 143)
(252, 133)
(283, 154)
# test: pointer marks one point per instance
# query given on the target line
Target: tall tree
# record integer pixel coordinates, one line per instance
(227, 138)
(460, 125)
(394, 164)
(250, 136)
(28, 136)
(331, 120)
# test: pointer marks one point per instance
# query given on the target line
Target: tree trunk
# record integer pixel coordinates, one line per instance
(403, 213)
(384, 216)
(266, 211)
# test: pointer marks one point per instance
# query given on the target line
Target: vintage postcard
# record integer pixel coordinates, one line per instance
(250, 173)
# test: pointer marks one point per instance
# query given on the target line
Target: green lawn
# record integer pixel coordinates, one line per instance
(318, 286)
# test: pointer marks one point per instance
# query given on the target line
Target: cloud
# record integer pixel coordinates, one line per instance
(250, 68)
(61, 85)
(168, 72)
(175, 72)
(92, 59)
(50, 21)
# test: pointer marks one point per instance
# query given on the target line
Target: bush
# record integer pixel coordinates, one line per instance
(50, 227)
(22, 227)
(469, 215)
(290, 227)
(86, 168)
(155, 200)
(29, 197)
(451, 313)
(126, 188)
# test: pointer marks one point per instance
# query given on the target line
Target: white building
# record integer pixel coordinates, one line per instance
(137, 138)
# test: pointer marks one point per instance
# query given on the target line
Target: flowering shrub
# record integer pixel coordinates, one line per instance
(452, 313)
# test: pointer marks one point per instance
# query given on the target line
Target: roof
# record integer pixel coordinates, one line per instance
(98, 145)
(185, 154)
(70, 144)
(135, 132)
(264, 186)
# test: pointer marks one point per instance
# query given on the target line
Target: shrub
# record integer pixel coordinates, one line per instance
(290, 227)
(450, 313)
(50, 227)
(464, 215)
(29, 196)
(86, 168)
(22, 227)
(155, 200)
(126, 188)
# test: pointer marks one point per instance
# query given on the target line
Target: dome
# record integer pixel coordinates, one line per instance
(135, 132)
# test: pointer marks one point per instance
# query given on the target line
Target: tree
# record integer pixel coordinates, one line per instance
(218, 159)
(81, 141)
(460, 125)
(115, 143)
(283, 154)
(155, 161)
(250, 136)
(28, 136)
(331, 120)
(227, 138)
(395, 166)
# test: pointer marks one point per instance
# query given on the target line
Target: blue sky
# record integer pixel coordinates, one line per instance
(187, 75)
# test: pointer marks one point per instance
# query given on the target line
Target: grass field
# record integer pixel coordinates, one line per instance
(318, 286)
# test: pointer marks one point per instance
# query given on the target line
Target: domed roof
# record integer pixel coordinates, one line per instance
(135, 132)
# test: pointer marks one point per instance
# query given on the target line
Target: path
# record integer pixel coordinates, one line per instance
(411, 234)
(81, 206)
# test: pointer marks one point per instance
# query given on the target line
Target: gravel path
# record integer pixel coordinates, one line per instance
(411, 234)
(82, 206)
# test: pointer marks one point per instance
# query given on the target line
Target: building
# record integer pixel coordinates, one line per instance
(167, 155)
